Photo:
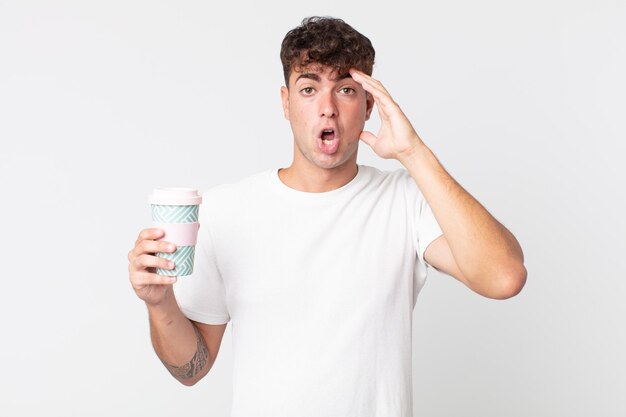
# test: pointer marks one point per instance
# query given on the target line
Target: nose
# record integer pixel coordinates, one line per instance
(328, 107)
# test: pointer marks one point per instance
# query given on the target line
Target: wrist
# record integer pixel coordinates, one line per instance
(164, 310)
(414, 154)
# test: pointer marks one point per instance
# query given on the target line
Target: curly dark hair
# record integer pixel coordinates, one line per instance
(326, 41)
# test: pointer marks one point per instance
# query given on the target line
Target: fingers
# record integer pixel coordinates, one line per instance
(145, 261)
(142, 279)
(145, 243)
(141, 257)
(369, 138)
(141, 267)
(152, 234)
(142, 263)
(152, 246)
(369, 84)
(375, 88)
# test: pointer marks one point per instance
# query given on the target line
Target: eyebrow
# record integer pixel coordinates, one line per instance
(316, 77)
(308, 75)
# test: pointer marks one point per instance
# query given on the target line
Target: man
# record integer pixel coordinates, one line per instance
(318, 265)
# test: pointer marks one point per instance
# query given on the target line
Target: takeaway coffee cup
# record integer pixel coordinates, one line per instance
(175, 211)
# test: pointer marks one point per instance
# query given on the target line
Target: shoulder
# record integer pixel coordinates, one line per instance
(377, 176)
(228, 199)
(397, 182)
(237, 189)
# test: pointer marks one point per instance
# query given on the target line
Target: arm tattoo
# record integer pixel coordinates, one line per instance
(195, 365)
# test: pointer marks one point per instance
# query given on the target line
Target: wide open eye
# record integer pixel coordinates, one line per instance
(347, 90)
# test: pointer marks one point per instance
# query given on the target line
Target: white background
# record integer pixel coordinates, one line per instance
(523, 102)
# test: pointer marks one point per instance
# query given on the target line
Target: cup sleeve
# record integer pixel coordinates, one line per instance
(201, 296)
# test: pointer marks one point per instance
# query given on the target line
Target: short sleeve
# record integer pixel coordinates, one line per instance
(201, 296)
(424, 225)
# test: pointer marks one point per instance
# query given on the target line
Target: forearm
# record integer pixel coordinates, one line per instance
(484, 250)
(178, 343)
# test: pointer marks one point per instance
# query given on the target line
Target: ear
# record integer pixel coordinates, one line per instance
(284, 96)
(369, 105)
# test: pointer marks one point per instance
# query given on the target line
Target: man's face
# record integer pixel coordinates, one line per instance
(327, 112)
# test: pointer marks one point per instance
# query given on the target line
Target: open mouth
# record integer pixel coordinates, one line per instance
(328, 135)
(328, 143)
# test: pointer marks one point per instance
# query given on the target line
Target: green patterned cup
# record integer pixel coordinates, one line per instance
(175, 211)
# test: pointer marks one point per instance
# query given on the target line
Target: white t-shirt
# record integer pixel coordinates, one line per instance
(319, 289)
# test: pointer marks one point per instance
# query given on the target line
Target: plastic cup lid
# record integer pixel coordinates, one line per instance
(175, 197)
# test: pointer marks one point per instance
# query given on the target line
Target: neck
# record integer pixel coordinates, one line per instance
(315, 179)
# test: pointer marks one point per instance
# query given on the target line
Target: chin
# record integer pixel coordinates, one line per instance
(341, 157)
(332, 163)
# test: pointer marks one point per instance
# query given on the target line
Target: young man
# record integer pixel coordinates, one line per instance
(318, 265)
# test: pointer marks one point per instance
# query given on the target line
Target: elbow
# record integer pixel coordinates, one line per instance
(188, 382)
(509, 284)
(192, 379)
